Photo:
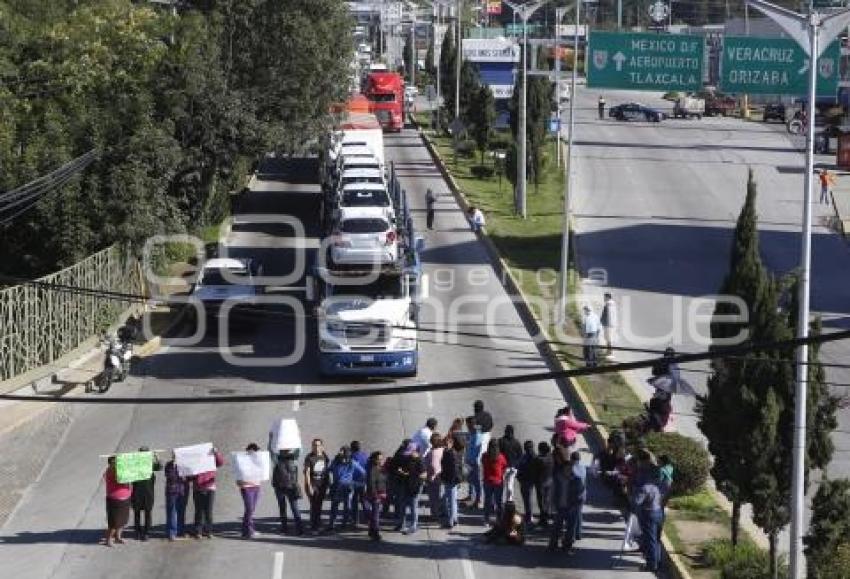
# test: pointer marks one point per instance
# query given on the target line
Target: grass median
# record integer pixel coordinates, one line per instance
(531, 248)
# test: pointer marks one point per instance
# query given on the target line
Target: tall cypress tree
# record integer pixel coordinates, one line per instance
(731, 401)
(448, 70)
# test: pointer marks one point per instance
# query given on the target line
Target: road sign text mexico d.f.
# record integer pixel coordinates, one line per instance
(639, 61)
(775, 66)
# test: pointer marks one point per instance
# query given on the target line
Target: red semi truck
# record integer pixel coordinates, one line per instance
(385, 91)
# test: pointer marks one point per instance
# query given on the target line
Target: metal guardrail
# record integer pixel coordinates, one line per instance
(38, 324)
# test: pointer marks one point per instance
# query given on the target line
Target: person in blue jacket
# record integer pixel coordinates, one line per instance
(358, 493)
(473, 461)
(343, 471)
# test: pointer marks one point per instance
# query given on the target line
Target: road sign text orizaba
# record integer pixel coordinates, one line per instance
(639, 61)
(775, 66)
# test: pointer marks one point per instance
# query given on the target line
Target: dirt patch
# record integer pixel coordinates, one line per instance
(691, 536)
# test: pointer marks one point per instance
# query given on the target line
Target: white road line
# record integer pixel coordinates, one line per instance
(277, 569)
(430, 399)
(468, 571)
(296, 404)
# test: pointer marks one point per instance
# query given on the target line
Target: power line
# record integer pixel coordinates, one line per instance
(449, 385)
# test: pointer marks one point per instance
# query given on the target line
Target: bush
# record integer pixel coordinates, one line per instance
(746, 561)
(671, 96)
(838, 567)
(481, 171)
(467, 148)
(501, 141)
(691, 461)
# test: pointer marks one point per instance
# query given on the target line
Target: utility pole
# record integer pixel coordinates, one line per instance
(413, 51)
(559, 15)
(524, 11)
(811, 31)
(458, 58)
(619, 14)
(564, 280)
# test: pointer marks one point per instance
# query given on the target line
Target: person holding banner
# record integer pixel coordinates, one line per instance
(176, 497)
(286, 488)
(250, 491)
(142, 500)
(203, 496)
(117, 504)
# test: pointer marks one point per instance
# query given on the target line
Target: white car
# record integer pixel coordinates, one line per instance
(366, 195)
(410, 93)
(364, 236)
(227, 280)
(355, 162)
(350, 176)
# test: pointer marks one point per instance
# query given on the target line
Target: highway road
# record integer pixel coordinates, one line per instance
(655, 207)
(55, 528)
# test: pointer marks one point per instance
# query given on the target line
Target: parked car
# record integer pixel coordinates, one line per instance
(364, 236)
(227, 281)
(636, 112)
(774, 112)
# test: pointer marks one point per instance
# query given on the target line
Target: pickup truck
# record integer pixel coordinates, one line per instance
(688, 107)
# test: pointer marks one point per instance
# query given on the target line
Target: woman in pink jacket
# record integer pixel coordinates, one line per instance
(567, 428)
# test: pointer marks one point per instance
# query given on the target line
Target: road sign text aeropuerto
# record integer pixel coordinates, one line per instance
(640, 61)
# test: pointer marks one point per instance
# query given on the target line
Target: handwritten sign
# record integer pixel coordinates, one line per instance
(133, 466)
(251, 466)
(195, 459)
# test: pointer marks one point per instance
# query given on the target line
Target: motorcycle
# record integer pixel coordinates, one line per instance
(112, 365)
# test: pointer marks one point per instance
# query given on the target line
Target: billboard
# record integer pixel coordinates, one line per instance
(490, 50)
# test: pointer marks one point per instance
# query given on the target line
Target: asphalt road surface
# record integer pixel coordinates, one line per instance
(655, 208)
(54, 531)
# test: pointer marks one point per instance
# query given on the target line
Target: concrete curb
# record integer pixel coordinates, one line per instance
(599, 433)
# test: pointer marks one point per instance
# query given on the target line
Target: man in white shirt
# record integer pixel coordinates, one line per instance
(422, 437)
(608, 319)
(590, 333)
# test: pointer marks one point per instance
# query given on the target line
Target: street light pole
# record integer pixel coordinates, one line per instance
(811, 31)
(524, 11)
(458, 57)
(564, 280)
(559, 15)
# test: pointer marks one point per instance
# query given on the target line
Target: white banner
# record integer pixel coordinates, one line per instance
(195, 459)
(501, 91)
(569, 30)
(251, 466)
(285, 435)
(490, 50)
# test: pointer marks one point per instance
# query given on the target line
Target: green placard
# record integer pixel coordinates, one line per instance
(640, 61)
(775, 66)
(133, 466)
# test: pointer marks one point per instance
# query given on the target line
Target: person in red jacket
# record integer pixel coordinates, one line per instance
(494, 463)
(567, 428)
(117, 504)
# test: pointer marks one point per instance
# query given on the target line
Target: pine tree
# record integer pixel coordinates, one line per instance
(482, 116)
(731, 400)
(830, 526)
(537, 121)
(448, 71)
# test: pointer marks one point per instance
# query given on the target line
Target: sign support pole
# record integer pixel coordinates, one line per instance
(815, 25)
(564, 281)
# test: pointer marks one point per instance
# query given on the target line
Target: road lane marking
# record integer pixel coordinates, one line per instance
(430, 399)
(468, 571)
(277, 569)
(296, 404)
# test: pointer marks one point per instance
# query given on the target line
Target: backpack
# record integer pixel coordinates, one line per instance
(285, 475)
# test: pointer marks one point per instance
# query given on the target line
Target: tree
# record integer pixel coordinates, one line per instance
(448, 71)
(470, 83)
(830, 526)
(409, 61)
(537, 123)
(430, 68)
(731, 401)
(482, 117)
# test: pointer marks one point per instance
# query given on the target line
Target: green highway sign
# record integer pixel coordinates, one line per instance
(775, 66)
(516, 29)
(641, 61)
